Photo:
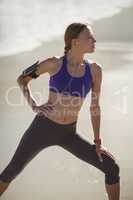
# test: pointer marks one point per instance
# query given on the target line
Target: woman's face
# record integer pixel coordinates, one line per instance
(86, 41)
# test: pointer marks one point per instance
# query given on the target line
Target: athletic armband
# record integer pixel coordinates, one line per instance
(31, 71)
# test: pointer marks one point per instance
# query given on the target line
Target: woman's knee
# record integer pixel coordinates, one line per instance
(112, 176)
(10, 172)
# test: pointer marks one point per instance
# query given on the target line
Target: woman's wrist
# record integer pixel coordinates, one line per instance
(27, 95)
(97, 141)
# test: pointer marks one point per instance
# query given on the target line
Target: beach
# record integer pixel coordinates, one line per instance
(54, 173)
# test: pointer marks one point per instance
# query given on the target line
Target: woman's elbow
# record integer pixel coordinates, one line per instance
(94, 106)
(19, 79)
(95, 110)
(23, 80)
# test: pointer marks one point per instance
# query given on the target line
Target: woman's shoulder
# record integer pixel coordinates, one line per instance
(53, 60)
(95, 65)
(50, 65)
(95, 68)
(56, 62)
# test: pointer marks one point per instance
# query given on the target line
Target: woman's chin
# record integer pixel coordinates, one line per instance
(91, 50)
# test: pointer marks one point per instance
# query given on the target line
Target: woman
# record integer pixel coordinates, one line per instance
(71, 79)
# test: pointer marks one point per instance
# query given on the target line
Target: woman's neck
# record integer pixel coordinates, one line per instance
(75, 59)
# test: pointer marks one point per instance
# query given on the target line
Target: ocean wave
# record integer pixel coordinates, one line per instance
(26, 25)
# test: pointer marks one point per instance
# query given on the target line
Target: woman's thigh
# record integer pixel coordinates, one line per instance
(31, 143)
(86, 151)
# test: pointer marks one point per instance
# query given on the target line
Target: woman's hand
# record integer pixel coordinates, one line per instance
(43, 109)
(101, 150)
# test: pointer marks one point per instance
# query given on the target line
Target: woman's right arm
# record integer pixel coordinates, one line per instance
(47, 66)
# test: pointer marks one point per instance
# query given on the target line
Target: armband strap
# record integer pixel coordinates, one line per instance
(31, 71)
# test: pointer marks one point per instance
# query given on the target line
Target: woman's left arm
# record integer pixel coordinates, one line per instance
(95, 110)
(95, 96)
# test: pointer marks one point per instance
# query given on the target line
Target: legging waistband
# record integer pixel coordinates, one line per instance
(56, 123)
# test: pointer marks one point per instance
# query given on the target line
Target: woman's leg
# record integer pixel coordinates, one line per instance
(32, 142)
(113, 191)
(85, 151)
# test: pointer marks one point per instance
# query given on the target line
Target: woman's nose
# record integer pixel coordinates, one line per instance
(94, 40)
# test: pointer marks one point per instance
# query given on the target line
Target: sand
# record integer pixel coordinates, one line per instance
(55, 173)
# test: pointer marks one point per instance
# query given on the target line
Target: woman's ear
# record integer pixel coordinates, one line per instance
(74, 42)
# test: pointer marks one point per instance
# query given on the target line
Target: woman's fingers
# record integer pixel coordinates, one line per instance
(101, 151)
(105, 152)
(99, 155)
(47, 107)
(43, 109)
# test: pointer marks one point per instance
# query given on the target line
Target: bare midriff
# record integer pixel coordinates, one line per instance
(65, 108)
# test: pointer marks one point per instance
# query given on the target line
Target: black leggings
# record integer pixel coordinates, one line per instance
(44, 132)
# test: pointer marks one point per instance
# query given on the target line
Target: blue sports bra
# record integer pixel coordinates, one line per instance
(66, 84)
